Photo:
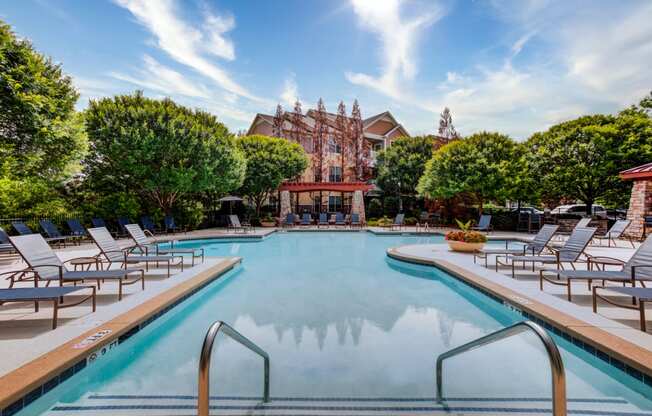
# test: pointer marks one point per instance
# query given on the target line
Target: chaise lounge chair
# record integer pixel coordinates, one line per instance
(234, 224)
(616, 232)
(484, 224)
(535, 247)
(5, 245)
(122, 224)
(53, 232)
(398, 222)
(149, 225)
(339, 219)
(22, 229)
(100, 223)
(323, 220)
(637, 268)
(76, 228)
(171, 226)
(582, 223)
(640, 296)
(112, 252)
(145, 245)
(306, 219)
(46, 266)
(570, 253)
(45, 294)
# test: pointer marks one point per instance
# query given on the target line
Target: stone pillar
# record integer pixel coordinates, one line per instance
(286, 206)
(640, 205)
(357, 205)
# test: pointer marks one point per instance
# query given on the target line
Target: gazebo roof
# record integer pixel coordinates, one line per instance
(325, 186)
(639, 172)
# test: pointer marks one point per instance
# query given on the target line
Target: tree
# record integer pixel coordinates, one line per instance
(159, 149)
(581, 158)
(298, 132)
(36, 104)
(279, 118)
(270, 161)
(446, 128)
(401, 165)
(319, 139)
(342, 133)
(359, 146)
(481, 165)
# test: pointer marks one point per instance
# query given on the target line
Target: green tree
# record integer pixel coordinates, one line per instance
(36, 104)
(581, 158)
(270, 161)
(482, 165)
(159, 149)
(401, 165)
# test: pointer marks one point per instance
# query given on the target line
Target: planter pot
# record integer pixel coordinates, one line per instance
(464, 247)
(267, 223)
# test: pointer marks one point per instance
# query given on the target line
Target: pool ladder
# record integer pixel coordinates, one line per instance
(554, 358)
(203, 401)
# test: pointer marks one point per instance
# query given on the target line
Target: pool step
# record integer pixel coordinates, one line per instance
(185, 405)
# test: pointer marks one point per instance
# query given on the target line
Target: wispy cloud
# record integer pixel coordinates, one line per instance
(188, 44)
(398, 36)
(290, 93)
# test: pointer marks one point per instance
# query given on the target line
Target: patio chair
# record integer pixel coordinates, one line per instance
(484, 224)
(289, 220)
(637, 268)
(582, 223)
(99, 223)
(234, 224)
(398, 222)
(143, 242)
(306, 219)
(122, 225)
(170, 225)
(616, 232)
(112, 252)
(22, 229)
(52, 231)
(339, 219)
(149, 225)
(640, 297)
(46, 294)
(76, 228)
(355, 221)
(46, 266)
(323, 220)
(5, 245)
(535, 247)
(570, 253)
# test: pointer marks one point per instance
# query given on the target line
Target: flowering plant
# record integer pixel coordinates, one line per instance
(465, 235)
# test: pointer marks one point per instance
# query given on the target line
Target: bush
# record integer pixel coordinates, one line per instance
(374, 208)
(466, 236)
(411, 221)
(391, 206)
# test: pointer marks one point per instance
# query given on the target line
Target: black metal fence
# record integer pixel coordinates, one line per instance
(32, 221)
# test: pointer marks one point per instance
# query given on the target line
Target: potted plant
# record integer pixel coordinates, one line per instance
(267, 220)
(465, 240)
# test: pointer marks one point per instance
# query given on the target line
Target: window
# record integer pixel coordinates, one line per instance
(334, 145)
(335, 174)
(334, 203)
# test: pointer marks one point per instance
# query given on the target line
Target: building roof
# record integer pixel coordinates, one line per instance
(639, 172)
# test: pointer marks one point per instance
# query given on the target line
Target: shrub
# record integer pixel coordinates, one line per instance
(466, 236)
(411, 221)
(374, 208)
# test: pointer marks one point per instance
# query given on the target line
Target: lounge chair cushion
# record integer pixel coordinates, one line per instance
(591, 274)
(535, 259)
(33, 293)
(641, 293)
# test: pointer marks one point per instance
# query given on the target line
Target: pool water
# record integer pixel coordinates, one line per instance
(338, 318)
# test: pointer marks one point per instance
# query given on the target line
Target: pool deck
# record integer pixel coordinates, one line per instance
(614, 329)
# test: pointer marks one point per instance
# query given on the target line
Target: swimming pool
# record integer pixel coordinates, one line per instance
(342, 323)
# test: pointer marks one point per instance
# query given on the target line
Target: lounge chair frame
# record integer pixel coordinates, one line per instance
(141, 241)
(638, 301)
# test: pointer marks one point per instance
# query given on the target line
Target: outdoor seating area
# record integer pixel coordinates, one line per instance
(322, 220)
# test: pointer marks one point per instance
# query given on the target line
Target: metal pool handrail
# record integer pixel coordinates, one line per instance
(205, 363)
(556, 363)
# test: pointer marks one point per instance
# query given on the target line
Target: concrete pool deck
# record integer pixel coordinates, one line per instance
(615, 328)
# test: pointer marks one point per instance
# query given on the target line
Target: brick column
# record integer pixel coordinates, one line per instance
(286, 206)
(640, 205)
(357, 205)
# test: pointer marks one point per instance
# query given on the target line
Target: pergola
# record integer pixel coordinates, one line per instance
(356, 188)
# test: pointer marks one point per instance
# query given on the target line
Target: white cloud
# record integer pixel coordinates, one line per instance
(187, 44)
(161, 78)
(398, 37)
(290, 94)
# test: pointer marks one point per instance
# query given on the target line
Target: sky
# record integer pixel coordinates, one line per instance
(512, 66)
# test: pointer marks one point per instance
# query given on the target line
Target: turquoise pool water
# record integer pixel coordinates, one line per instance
(338, 318)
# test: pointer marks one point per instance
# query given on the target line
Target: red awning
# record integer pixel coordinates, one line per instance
(325, 186)
(639, 172)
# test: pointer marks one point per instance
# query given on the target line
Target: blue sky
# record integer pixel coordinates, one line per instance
(514, 66)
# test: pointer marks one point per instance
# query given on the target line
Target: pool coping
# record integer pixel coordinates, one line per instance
(616, 351)
(27, 383)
